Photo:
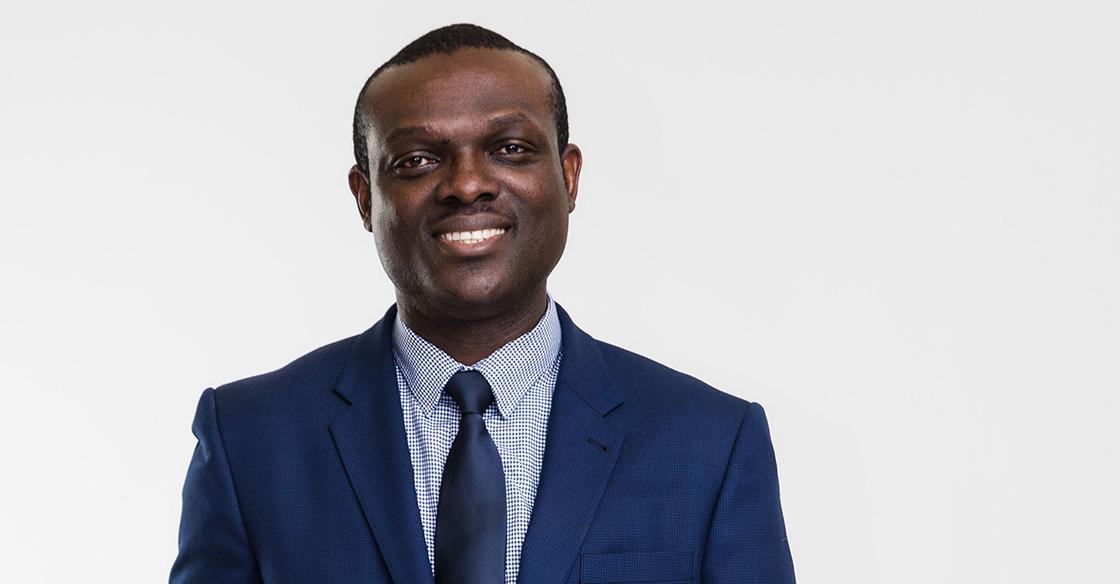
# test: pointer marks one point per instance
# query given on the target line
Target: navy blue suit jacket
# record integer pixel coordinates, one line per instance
(649, 475)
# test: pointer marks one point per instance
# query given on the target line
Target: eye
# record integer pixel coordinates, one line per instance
(512, 149)
(415, 161)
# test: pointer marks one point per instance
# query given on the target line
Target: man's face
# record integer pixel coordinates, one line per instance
(467, 195)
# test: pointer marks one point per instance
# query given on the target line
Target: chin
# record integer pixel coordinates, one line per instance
(472, 298)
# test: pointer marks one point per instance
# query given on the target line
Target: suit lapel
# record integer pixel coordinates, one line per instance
(580, 451)
(371, 441)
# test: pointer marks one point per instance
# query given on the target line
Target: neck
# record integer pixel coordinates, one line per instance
(470, 340)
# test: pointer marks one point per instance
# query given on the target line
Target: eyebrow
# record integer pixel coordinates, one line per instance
(500, 122)
(408, 132)
(508, 120)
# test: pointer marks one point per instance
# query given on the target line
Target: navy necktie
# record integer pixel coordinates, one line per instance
(470, 537)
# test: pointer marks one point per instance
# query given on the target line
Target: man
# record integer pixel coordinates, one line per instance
(475, 434)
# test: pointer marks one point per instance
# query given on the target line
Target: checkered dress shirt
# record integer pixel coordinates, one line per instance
(523, 375)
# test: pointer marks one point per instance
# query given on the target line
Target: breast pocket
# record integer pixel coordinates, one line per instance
(635, 567)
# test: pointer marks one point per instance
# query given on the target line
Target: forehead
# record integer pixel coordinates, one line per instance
(449, 89)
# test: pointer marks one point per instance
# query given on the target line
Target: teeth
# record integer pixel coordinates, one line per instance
(472, 236)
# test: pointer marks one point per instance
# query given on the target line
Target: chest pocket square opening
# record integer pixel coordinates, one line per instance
(635, 567)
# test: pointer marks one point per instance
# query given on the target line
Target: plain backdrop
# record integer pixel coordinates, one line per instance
(893, 224)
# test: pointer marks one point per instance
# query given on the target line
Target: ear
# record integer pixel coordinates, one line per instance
(570, 163)
(359, 185)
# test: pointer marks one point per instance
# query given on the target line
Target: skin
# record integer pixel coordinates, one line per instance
(462, 142)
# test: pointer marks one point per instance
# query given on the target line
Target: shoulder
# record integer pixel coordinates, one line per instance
(293, 387)
(676, 425)
(652, 387)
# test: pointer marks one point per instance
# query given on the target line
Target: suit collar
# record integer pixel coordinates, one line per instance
(371, 442)
(369, 361)
(581, 450)
(583, 369)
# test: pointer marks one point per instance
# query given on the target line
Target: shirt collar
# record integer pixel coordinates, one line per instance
(511, 370)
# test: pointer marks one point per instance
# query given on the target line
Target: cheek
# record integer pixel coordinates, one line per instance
(385, 218)
(543, 192)
(549, 228)
(389, 222)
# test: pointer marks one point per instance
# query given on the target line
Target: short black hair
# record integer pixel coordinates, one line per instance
(447, 40)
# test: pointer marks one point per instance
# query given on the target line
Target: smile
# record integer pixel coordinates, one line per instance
(471, 237)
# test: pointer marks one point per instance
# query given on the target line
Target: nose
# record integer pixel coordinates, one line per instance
(468, 179)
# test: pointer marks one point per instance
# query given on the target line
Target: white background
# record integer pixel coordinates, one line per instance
(894, 224)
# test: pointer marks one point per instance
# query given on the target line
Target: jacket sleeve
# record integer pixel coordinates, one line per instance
(213, 544)
(747, 538)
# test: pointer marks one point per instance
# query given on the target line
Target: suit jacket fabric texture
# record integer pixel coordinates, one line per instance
(303, 475)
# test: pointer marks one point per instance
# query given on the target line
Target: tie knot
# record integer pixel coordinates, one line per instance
(471, 391)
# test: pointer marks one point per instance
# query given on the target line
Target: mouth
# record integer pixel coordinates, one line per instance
(476, 243)
(471, 237)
